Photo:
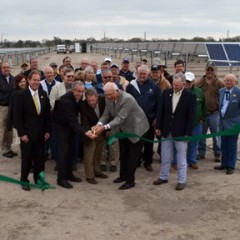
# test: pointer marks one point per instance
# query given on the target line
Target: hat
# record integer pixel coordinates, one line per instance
(210, 65)
(189, 76)
(144, 60)
(159, 62)
(114, 66)
(107, 59)
(125, 60)
(53, 64)
(24, 64)
(155, 67)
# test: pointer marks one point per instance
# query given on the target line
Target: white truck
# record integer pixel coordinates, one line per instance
(61, 49)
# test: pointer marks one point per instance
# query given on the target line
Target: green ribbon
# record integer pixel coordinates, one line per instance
(120, 135)
(41, 182)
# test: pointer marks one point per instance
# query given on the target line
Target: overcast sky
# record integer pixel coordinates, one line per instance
(124, 19)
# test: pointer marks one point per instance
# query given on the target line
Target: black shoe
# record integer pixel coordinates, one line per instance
(103, 168)
(8, 154)
(180, 186)
(113, 168)
(160, 181)
(73, 178)
(101, 175)
(25, 187)
(229, 171)
(13, 153)
(126, 186)
(118, 180)
(148, 167)
(91, 180)
(220, 168)
(64, 183)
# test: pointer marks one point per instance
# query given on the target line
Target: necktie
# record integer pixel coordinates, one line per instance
(227, 95)
(35, 99)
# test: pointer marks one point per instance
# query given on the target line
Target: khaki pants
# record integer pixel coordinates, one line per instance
(111, 153)
(6, 137)
(92, 157)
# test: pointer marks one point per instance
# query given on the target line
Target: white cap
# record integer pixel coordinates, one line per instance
(189, 76)
(107, 59)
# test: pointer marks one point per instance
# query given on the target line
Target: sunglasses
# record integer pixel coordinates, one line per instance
(70, 76)
(108, 77)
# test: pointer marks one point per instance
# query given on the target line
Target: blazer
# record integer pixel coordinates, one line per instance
(89, 117)
(232, 114)
(57, 91)
(179, 123)
(25, 117)
(125, 114)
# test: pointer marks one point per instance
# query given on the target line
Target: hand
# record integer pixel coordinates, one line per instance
(91, 135)
(98, 129)
(46, 136)
(24, 139)
(157, 132)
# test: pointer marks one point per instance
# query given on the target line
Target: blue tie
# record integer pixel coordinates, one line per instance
(227, 93)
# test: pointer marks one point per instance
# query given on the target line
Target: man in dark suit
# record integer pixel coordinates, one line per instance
(32, 121)
(229, 101)
(34, 66)
(123, 111)
(175, 119)
(91, 110)
(66, 111)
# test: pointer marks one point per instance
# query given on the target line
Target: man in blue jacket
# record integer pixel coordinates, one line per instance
(147, 94)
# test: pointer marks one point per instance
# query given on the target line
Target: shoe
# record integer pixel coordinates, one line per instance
(113, 168)
(229, 171)
(220, 168)
(148, 167)
(13, 153)
(180, 186)
(91, 180)
(160, 181)
(103, 168)
(200, 156)
(25, 188)
(126, 186)
(101, 175)
(73, 178)
(64, 183)
(194, 166)
(8, 154)
(118, 180)
(217, 157)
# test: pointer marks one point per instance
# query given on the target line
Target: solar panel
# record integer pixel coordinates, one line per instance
(233, 53)
(216, 52)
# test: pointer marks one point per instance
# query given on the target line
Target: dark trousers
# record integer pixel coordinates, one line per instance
(148, 147)
(129, 156)
(66, 144)
(32, 154)
(229, 151)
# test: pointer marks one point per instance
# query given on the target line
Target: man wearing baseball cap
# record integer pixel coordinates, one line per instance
(125, 72)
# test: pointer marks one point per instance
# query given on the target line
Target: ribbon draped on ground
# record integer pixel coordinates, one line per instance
(233, 131)
(41, 182)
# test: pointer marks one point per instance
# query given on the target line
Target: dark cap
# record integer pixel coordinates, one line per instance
(53, 64)
(125, 60)
(114, 66)
(210, 65)
(144, 60)
(155, 67)
(25, 64)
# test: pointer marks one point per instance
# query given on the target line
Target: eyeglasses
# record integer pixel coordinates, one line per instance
(70, 76)
(108, 77)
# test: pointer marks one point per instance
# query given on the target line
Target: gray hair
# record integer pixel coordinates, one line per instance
(77, 83)
(144, 68)
(91, 92)
(181, 76)
(88, 69)
(106, 71)
(110, 86)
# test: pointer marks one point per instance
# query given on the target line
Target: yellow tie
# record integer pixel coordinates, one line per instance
(35, 99)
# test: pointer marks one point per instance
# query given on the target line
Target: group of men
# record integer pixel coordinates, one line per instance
(146, 103)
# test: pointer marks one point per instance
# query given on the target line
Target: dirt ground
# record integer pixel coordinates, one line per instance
(208, 208)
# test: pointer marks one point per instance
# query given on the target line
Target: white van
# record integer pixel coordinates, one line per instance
(61, 49)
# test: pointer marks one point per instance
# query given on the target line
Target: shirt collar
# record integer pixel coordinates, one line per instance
(32, 91)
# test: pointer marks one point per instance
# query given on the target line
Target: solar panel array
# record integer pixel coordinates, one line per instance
(224, 54)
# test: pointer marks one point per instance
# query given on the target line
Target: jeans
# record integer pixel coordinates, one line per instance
(229, 151)
(212, 122)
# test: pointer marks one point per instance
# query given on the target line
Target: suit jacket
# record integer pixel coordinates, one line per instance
(6, 89)
(89, 117)
(66, 111)
(125, 114)
(232, 114)
(179, 123)
(57, 91)
(25, 117)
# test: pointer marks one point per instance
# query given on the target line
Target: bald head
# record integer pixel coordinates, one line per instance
(230, 81)
(49, 73)
(111, 91)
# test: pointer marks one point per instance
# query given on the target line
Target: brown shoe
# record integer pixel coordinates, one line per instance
(101, 175)
(194, 166)
(91, 180)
